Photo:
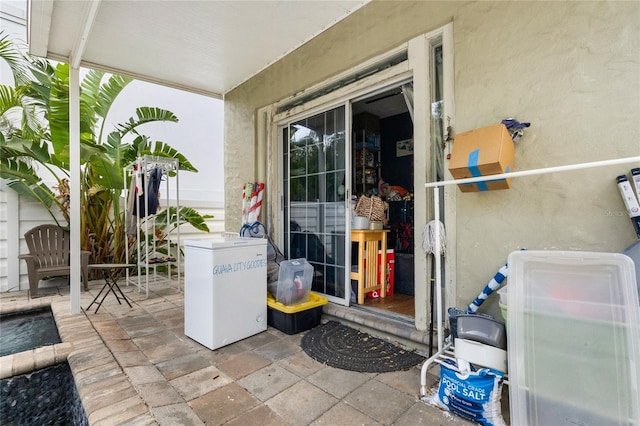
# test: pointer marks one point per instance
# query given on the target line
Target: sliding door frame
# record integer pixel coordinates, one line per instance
(417, 68)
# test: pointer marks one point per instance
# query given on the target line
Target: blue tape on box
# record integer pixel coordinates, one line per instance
(475, 170)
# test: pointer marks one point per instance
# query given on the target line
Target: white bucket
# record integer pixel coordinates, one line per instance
(481, 354)
(360, 222)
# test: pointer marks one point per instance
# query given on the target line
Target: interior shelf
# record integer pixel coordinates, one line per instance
(366, 162)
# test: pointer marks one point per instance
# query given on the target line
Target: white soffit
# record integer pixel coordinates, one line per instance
(207, 47)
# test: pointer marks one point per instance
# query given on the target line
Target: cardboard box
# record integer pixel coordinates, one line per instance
(482, 152)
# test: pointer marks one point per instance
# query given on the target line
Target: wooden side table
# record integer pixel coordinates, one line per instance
(369, 243)
(111, 272)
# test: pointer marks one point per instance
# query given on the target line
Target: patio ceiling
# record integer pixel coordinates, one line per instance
(207, 47)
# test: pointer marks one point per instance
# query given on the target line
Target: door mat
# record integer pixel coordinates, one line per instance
(343, 347)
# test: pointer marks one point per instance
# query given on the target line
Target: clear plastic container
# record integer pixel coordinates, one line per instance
(573, 343)
(294, 282)
(503, 292)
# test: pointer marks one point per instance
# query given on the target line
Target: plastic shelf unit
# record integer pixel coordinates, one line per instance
(153, 219)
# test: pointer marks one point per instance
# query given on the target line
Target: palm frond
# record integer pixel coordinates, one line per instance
(33, 118)
(9, 98)
(43, 74)
(90, 85)
(59, 114)
(90, 150)
(23, 179)
(12, 55)
(146, 115)
(89, 102)
(187, 215)
(38, 150)
(106, 174)
(115, 147)
(14, 168)
(37, 192)
(24, 150)
(109, 91)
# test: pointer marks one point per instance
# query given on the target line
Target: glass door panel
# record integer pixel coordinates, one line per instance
(314, 191)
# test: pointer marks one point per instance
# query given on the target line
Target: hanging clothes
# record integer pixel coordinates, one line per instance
(153, 191)
(152, 196)
(130, 222)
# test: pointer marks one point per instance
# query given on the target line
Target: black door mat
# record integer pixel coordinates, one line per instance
(343, 347)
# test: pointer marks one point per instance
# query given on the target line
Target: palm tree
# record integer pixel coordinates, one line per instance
(23, 128)
(34, 136)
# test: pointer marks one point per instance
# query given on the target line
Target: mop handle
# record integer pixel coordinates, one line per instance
(493, 285)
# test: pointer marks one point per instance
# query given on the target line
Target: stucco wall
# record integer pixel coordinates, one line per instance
(570, 68)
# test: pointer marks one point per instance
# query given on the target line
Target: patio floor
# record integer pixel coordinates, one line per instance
(135, 366)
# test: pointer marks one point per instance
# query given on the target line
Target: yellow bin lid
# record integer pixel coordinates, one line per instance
(314, 301)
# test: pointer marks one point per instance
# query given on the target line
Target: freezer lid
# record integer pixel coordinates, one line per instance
(221, 243)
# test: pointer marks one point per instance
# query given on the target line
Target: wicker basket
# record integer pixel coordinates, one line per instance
(373, 208)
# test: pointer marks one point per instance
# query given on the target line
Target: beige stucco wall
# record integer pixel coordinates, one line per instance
(570, 68)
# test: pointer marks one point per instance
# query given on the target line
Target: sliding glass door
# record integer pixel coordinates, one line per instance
(315, 205)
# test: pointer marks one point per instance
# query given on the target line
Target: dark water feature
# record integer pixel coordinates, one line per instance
(44, 397)
(26, 330)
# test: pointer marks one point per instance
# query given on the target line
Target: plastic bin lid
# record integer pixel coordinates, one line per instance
(315, 300)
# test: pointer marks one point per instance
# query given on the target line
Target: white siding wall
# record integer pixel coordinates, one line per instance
(18, 215)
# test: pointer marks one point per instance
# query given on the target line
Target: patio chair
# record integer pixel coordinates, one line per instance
(49, 247)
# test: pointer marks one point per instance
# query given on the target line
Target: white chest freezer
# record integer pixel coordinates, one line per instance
(225, 290)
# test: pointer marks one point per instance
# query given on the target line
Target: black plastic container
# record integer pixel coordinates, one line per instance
(293, 319)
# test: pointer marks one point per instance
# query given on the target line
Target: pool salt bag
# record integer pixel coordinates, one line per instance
(473, 395)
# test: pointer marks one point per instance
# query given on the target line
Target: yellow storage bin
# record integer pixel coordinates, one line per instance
(292, 319)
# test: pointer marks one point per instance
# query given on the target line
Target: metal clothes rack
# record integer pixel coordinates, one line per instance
(146, 250)
(446, 351)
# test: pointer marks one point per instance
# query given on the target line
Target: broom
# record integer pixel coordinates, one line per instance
(430, 247)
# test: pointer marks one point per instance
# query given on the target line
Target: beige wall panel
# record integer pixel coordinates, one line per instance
(571, 69)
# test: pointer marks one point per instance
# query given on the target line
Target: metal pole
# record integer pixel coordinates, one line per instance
(436, 207)
(535, 172)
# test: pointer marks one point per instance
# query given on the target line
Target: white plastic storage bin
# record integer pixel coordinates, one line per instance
(573, 334)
